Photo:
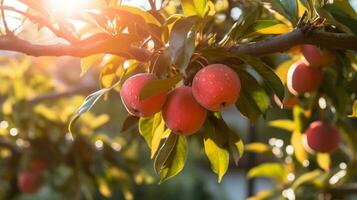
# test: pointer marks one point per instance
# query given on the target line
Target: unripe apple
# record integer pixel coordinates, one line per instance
(28, 182)
(316, 57)
(181, 112)
(322, 137)
(302, 78)
(216, 86)
(130, 94)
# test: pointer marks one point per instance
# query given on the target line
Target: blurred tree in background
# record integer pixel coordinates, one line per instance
(66, 134)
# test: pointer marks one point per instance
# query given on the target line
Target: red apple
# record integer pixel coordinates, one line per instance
(322, 137)
(28, 182)
(316, 57)
(181, 112)
(302, 78)
(216, 86)
(130, 93)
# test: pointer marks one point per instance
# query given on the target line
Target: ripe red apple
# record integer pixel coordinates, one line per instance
(322, 137)
(302, 78)
(130, 93)
(28, 182)
(181, 112)
(316, 57)
(216, 86)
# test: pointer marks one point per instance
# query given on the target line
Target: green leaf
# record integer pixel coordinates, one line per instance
(270, 27)
(148, 126)
(354, 110)
(129, 122)
(341, 16)
(171, 157)
(257, 147)
(194, 7)
(216, 151)
(146, 16)
(158, 135)
(324, 161)
(305, 178)
(89, 61)
(253, 100)
(273, 171)
(291, 7)
(182, 41)
(270, 78)
(346, 7)
(284, 124)
(158, 86)
(239, 28)
(299, 150)
(88, 103)
(277, 6)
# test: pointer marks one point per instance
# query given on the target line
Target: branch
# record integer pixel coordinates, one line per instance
(275, 44)
(284, 42)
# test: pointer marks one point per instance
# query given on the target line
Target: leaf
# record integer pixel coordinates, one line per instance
(284, 124)
(280, 11)
(194, 7)
(354, 110)
(324, 161)
(346, 7)
(270, 27)
(216, 151)
(291, 7)
(273, 171)
(307, 177)
(129, 122)
(268, 75)
(158, 86)
(236, 146)
(158, 135)
(182, 41)
(257, 147)
(299, 150)
(341, 16)
(88, 103)
(253, 100)
(89, 61)
(171, 157)
(148, 126)
(283, 68)
(146, 16)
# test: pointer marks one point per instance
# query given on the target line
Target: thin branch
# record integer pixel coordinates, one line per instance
(7, 31)
(152, 4)
(43, 22)
(67, 93)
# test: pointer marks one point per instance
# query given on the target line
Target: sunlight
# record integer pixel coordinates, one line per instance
(67, 7)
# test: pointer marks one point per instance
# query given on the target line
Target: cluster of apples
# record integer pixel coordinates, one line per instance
(29, 181)
(306, 74)
(184, 109)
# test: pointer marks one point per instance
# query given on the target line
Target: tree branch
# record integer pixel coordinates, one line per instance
(284, 42)
(271, 45)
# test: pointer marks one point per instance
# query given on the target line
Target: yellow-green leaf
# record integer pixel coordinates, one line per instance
(158, 86)
(273, 171)
(257, 147)
(194, 7)
(271, 27)
(307, 177)
(354, 110)
(148, 126)
(89, 61)
(284, 124)
(299, 150)
(216, 153)
(150, 19)
(324, 160)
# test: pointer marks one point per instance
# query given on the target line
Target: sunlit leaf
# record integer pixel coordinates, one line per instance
(270, 27)
(257, 147)
(299, 150)
(217, 154)
(148, 18)
(158, 86)
(305, 178)
(273, 171)
(194, 7)
(354, 110)
(171, 157)
(282, 70)
(89, 61)
(291, 7)
(284, 124)
(158, 135)
(148, 126)
(324, 161)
